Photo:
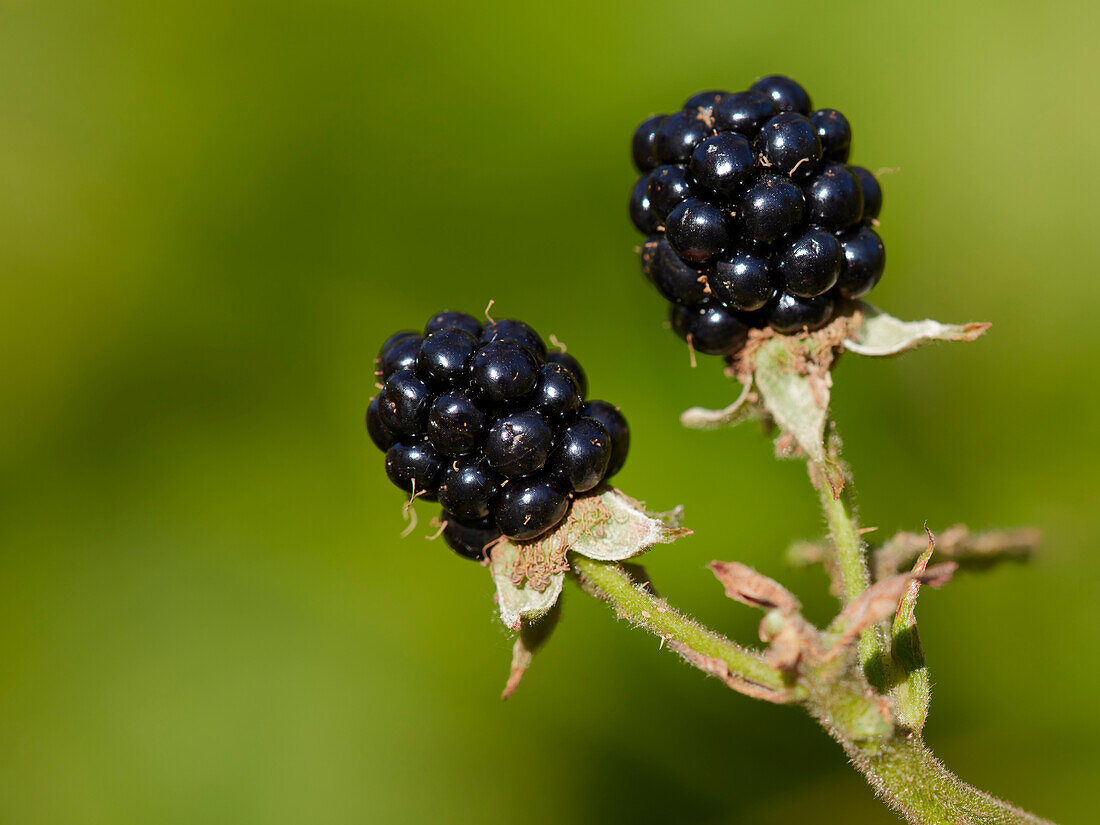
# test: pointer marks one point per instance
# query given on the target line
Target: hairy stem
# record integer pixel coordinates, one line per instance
(895, 762)
(700, 646)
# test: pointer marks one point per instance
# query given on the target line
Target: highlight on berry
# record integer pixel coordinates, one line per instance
(753, 217)
(489, 423)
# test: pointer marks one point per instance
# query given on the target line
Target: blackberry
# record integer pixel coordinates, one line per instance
(697, 231)
(414, 467)
(811, 263)
(668, 187)
(470, 540)
(488, 422)
(865, 259)
(469, 488)
(676, 280)
(790, 145)
(453, 320)
(744, 113)
(403, 404)
(835, 133)
(644, 138)
(678, 136)
(518, 445)
(641, 211)
(581, 456)
(872, 192)
(527, 508)
(557, 396)
(615, 423)
(787, 95)
(752, 217)
(399, 355)
(834, 198)
(444, 358)
(455, 423)
(789, 313)
(575, 369)
(743, 281)
(379, 433)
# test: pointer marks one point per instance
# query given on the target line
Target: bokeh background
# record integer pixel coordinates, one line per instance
(212, 213)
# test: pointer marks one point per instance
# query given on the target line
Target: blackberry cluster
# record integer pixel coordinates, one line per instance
(487, 422)
(753, 217)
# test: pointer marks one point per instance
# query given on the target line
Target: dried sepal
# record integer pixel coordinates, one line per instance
(882, 335)
(745, 585)
(879, 602)
(911, 688)
(745, 407)
(606, 526)
(532, 635)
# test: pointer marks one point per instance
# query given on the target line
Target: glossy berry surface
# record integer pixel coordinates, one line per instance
(379, 433)
(835, 133)
(502, 371)
(613, 420)
(575, 369)
(557, 396)
(723, 164)
(872, 192)
(744, 113)
(453, 320)
(403, 403)
(414, 467)
(811, 263)
(493, 426)
(641, 211)
(697, 231)
(790, 145)
(752, 216)
(711, 327)
(455, 423)
(470, 540)
(743, 281)
(677, 280)
(444, 358)
(834, 198)
(518, 444)
(678, 136)
(642, 145)
(864, 259)
(469, 487)
(581, 455)
(790, 313)
(668, 187)
(785, 93)
(528, 508)
(771, 208)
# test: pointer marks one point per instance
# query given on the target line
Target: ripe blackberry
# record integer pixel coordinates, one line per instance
(642, 146)
(679, 134)
(574, 367)
(790, 145)
(872, 192)
(493, 426)
(469, 540)
(697, 231)
(787, 95)
(751, 214)
(789, 313)
(811, 263)
(581, 456)
(864, 258)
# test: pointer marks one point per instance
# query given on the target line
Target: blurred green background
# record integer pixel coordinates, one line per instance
(211, 214)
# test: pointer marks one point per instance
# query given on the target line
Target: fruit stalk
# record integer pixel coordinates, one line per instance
(896, 762)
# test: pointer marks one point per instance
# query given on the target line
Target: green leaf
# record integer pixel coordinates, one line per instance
(882, 335)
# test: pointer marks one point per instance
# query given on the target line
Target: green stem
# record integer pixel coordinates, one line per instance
(699, 645)
(896, 763)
